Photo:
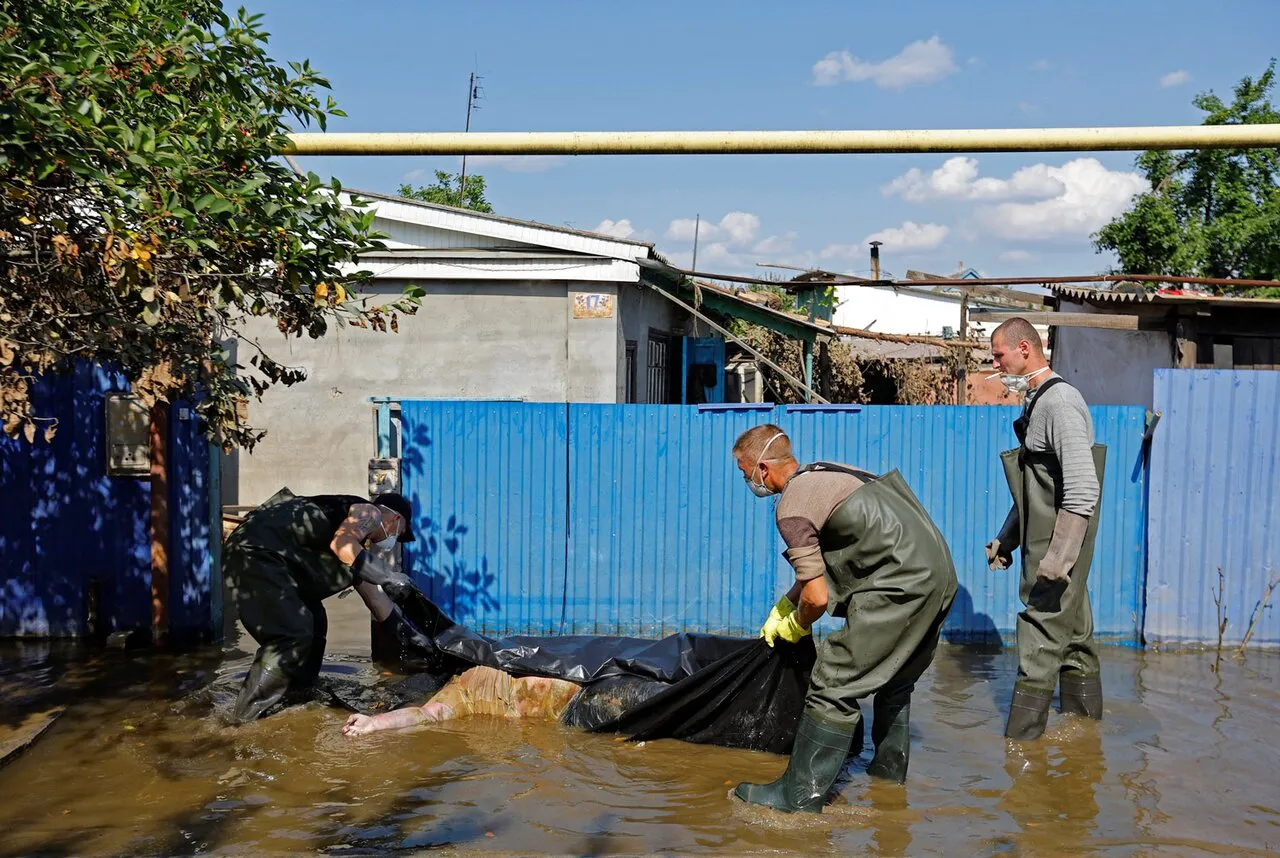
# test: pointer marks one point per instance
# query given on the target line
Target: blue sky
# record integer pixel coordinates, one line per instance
(403, 66)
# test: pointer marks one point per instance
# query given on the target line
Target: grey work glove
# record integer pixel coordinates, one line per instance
(1064, 547)
(1000, 549)
(376, 570)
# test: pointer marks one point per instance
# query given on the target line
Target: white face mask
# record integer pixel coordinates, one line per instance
(1018, 383)
(387, 542)
(759, 489)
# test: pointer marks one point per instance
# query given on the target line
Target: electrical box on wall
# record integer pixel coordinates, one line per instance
(128, 436)
(704, 359)
(384, 476)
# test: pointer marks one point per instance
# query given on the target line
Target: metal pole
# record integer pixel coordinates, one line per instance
(786, 142)
(697, 226)
(462, 177)
(806, 349)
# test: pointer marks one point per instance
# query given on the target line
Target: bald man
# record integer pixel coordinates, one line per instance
(1055, 477)
(863, 548)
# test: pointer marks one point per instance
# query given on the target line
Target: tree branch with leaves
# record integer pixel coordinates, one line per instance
(145, 213)
(1210, 212)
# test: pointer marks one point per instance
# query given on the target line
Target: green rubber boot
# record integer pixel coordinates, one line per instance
(1028, 713)
(816, 760)
(264, 687)
(891, 735)
(1080, 694)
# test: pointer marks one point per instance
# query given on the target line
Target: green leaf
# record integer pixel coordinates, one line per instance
(153, 151)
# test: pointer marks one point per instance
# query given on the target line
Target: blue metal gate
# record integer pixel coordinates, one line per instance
(616, 519)
(68, 530)
(1215, 505)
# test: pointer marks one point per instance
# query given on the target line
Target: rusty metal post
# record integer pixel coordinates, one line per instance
(160, 524)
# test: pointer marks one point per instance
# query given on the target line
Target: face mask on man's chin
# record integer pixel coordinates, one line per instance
(1018, 383)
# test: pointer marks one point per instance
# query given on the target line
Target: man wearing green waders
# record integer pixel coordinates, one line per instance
(1055, 476)
(863, 547)
(285, 558)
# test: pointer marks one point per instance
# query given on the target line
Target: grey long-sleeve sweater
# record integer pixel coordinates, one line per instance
(1061, 423)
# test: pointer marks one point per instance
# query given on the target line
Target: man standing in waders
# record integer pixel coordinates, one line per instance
(285, 558)
(1055, 476)
(864, 546)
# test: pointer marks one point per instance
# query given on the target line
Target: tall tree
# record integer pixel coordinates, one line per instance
(145, 212)
(447, 190)
(1210, 212)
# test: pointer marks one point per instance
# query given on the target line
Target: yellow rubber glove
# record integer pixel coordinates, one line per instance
(781, 610)
(790, 629)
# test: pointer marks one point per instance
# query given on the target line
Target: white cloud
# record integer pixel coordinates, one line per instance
(843, 251)
(775, 244)
(682, 229)
(1175, 78)
(740, 227)
(735, 228)
(514, 163)
(919, 63)
(957, 179)
(910, 236)
(414, 175)
(1041, 65)
(1090, 196)
(717, 252)
(1016, 256)
(616, 228)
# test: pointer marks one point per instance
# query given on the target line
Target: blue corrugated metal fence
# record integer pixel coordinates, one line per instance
(66, 528)
(1214, 505)
(633, 520)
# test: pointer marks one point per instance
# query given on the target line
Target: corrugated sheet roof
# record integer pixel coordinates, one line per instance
(756, 301)
(1163, 296)
(373, 195)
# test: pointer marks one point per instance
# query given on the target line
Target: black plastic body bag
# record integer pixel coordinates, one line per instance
(707, 689)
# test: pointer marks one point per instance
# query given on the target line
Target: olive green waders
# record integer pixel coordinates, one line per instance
(891, 577)
(279, 567)
(1055, 629)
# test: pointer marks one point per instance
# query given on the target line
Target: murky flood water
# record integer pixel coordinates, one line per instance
(1187, 762)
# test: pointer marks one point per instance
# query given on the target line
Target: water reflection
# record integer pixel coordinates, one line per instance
(1184, 762)
(1051, 793)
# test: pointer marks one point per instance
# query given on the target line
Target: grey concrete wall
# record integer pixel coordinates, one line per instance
(593, 357)
(473, 340)
(1110, 367)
